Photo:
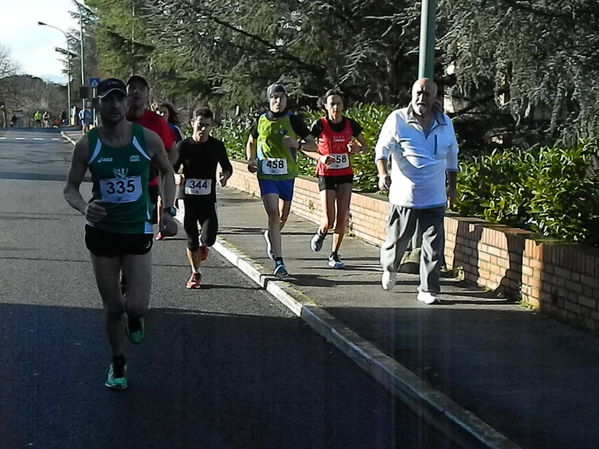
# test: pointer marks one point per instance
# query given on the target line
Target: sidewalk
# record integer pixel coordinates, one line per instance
(518, 376)
(490, 372)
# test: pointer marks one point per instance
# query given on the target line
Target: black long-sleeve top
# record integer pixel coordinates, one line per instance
(199, 160)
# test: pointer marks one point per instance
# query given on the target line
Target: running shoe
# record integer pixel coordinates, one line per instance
(136, 335)
(203, 252)
(334, 262)
(269, 252)
(280, 270)
(117, 379)
(194, 280)
(428, 298)
(388, 279)
(317, 241)
(159, 236)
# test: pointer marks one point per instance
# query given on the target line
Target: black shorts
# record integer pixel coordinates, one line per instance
(331, 182)
(202, 213)
(110, 244)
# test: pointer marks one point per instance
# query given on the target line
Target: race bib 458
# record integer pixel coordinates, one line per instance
(274, 166)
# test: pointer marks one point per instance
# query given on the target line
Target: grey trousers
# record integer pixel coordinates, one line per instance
(401, 226)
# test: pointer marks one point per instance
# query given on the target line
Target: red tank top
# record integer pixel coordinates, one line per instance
(335, 144)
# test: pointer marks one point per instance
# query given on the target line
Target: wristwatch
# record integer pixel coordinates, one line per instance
(171, 210)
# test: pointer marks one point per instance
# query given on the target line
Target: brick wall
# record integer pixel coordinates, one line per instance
(556, 278)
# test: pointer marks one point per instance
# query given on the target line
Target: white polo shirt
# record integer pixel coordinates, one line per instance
(419, 160)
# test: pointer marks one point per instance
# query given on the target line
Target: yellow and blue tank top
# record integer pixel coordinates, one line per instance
(273, 154)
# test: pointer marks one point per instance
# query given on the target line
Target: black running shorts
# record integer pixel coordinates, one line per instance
(202, 213)
(331, 182)
(109, 244)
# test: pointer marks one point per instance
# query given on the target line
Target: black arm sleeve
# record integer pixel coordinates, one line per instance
(299, 127)
(254, 129)
(355, 127)
(316, 128)
(223, 159)
(177, 164)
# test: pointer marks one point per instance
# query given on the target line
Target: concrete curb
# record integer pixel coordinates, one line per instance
(436, 408)
(71, 141)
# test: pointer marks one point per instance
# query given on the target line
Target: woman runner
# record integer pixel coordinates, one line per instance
(337, 137)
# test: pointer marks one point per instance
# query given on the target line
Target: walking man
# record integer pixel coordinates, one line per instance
(200, 155)
(271, 150)
(118, 232)
(421, 142)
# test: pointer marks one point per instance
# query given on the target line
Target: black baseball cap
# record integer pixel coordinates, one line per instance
(275, 88)
(138, 79)
(111, 85)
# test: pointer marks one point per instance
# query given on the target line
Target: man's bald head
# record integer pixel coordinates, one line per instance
(424, 92)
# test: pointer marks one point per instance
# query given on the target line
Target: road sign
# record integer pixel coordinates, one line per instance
(93, 82)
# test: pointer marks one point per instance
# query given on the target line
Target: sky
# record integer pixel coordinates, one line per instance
(31, 45)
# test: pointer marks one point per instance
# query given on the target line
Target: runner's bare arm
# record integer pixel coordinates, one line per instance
(93, 211)
(358, 145)
(167, 174)
(309, 144)
(251, 149)
(173, 153)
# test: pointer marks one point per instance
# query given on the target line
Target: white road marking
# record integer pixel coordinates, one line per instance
(30, 138)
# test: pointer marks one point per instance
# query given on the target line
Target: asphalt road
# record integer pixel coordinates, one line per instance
(225, 366)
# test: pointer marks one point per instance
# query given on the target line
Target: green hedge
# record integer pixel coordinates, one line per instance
(548, 190)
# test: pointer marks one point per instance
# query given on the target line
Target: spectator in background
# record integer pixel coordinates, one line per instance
(37, 118)
(74, 120)
(85, 117)
(3, 114)
(46, 118)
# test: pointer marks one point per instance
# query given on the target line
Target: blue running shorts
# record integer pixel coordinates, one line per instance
(282, 188)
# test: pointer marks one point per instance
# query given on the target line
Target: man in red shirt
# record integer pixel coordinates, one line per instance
(138, 92)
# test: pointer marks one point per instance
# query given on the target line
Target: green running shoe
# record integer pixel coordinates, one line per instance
(116, 383)
(136, 336)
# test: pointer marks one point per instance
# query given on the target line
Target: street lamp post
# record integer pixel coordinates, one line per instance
(428, 17)
(79, 6)
(68, 53)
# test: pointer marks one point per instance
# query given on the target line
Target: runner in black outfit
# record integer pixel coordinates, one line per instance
(199, 156)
